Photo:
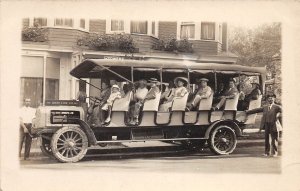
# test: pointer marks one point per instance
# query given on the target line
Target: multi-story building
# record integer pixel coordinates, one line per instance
(49, 62)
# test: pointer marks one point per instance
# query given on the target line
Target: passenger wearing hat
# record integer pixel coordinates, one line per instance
(253, 95)
(139, 95)
(203, 92)
(115, 94)
(230, 93)
(96, 114)
(151, 94)
(270, 123)
(180, 91)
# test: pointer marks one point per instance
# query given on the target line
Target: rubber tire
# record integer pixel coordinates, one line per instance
(54, 141)
(46, 151)
(211, 138)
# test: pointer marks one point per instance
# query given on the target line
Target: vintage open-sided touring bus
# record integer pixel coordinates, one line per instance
(66, 134)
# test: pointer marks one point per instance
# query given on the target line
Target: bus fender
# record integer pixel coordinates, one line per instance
(227, 122)
(87, 129)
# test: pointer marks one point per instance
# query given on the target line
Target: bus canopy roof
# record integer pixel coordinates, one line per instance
(92, 68)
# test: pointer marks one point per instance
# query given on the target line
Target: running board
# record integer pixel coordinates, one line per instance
(144, 140)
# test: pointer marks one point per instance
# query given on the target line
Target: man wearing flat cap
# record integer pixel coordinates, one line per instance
(151, 94)
(203, 92)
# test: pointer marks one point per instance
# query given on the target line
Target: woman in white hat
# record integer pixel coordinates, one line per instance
(115, 94)
(179, 92)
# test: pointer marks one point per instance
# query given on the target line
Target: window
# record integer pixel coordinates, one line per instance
(32, 79)
(153, 28)
(138, 27)
(39, 22)
(64, 22)
(117, 25)
(220, 33)
(82, 23)
(208, 31)
(187, 31)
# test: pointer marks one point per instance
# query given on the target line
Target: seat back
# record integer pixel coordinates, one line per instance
(252, 105)
(231, 104)
(255, 103)
(152, 104)
(205, 104)
(179, 103)
(122, 104)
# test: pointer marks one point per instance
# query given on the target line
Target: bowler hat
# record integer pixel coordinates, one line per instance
(153, 80)
(203, 79)
(271, 95)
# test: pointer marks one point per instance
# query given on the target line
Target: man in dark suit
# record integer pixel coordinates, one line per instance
(230, 93)
(270, 124)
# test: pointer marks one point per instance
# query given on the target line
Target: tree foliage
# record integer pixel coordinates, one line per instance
(259, 46)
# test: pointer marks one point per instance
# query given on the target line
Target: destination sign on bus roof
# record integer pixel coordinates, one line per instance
(61, 102)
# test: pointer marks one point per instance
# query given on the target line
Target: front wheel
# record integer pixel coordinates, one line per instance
(45, 146)
(69, 144)
(222, 140)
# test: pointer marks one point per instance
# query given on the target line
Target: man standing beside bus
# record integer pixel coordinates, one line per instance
(27, 113)
(270, 123)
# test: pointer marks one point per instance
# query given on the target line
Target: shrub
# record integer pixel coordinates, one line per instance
(120, 42)
(173, 45)
(35, 34)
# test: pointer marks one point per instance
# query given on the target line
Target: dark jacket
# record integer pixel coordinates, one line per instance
(231, 92)
(269, 116)
(253, 95)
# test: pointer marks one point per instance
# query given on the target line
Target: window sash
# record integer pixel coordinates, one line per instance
(138, 27)
(187, 31)
(220, 33)
(82, 23)
(64, 22)
(208, 31)
(117, 25)
(153, 28)
(40, 22)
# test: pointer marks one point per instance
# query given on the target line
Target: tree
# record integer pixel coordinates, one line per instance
(259, 46)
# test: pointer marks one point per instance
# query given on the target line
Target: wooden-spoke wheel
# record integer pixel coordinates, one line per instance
(69, 144)
(45, 146)
(222, 140)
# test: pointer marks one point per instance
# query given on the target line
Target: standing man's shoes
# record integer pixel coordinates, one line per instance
(265, 155)
(275, 155)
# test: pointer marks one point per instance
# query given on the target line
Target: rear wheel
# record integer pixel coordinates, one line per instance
(222, 140)
(69, 144)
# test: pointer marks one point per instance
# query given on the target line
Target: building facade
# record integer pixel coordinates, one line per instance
(46, 63)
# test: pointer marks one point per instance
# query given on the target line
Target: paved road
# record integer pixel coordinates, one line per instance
(144, 157)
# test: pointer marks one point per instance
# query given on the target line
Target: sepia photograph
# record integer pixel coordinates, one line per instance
(129, 95)
(99, 88)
